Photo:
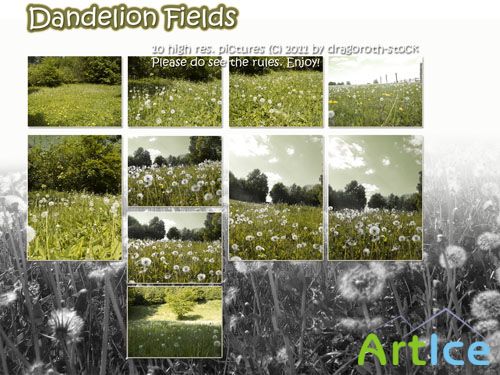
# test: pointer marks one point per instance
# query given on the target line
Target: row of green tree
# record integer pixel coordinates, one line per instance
(55, 71)
(200, 149)
(354, 197)
(197, 69)
(181, 299)
(75, 163)
(155, 230)
(254, 188)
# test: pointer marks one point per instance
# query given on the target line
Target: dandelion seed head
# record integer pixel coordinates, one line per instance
(66, 325)
(488, 241)
(363, 283)
(453, 257)
(486, 305)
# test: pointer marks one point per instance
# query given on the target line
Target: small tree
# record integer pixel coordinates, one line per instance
(181, 302)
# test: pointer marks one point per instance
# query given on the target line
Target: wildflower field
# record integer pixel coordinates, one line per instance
(173, 102)
(74, 91)
(74, 226)
(174, 322)
(275, 231)
(183, 185)
(375, 235)
(75, 105)
(171, 261)
(278, 98)
(391, 104)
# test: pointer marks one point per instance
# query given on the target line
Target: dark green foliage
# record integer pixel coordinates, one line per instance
(44, 75)
(200, 150)
(75, 163)
(377, 201)
(159, 295)
(140, 158)
(353, 197)
(155, 230)
(142, 67)
(295, 194)
(204, 148)
(252, 189)
(55, 71)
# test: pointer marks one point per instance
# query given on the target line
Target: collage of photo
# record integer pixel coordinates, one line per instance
(177, 208)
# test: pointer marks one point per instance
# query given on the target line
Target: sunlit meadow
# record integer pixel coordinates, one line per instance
(74, 226)
(279, 98)
(174, 261)
(275, 231)
(375, 235)
(190, 185)
(391, 104)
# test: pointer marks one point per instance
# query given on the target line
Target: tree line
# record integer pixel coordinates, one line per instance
(254, 188)
(55, 71)
(200, 149)
(354, 197)
(155, 230)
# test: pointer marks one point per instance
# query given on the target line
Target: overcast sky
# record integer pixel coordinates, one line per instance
(190, 220)
(288, 159)
(382, 163)
(362, 69)
(164, 146)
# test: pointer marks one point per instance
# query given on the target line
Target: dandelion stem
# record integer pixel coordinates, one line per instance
(105, 334)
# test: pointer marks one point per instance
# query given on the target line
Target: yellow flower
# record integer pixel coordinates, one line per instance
(333, 102)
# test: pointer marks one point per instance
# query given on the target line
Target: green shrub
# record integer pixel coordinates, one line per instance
(75, 163)
(44, 75)
(181, 302)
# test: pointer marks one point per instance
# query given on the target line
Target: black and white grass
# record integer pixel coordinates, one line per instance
(281, 317)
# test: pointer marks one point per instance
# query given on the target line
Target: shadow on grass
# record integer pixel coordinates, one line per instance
(143, 312)
(38, 119)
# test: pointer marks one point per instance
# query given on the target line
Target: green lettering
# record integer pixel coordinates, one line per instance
(415, 344)
(377, 351)
(396, 347)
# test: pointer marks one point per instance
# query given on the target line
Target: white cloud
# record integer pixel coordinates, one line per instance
(168, 223)
(413, 144)
(370, 171)
(272, 178)
(249, 145)
(290, 151)
(273, 160)
(152, 139)
(386, 161)
(343, 155)
(370, 189)
(153, 152)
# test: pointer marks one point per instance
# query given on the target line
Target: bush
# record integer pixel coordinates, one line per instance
(44, 75)
(75, 163)
(181, 301)
(54, 71)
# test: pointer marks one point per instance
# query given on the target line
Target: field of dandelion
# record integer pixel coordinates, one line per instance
(375, 235)
(75, 105)
(275, 231)
(175, 103)
(391, 104)
(183, 185)
(278, 98)
(74, 91)
(74, 226)
(172, 322)
(53, 315)
(171, 261)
